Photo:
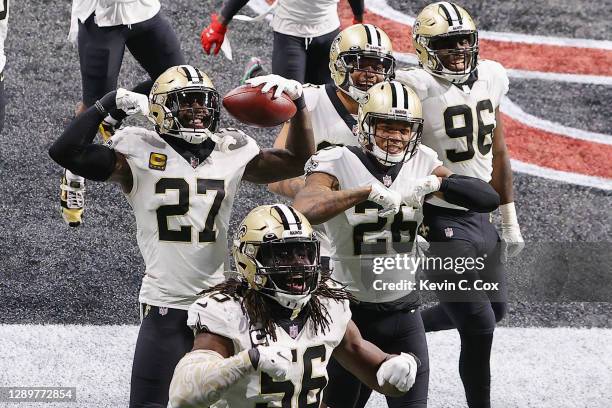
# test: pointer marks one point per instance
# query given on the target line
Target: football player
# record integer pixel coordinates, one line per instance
(370, 201)
(266, 338)
(4, 16)
(360, 56)
(102, 30)
(180, 180)
(461, 96)
(303, 33)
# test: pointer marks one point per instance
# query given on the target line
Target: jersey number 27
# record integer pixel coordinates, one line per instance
(204, 186)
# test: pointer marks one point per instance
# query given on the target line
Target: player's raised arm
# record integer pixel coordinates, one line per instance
(213, 36)
(75, 149)
(388, 374)
(289, 187)
(272, 165)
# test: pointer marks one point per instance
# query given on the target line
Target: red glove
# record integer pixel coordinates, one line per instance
(214, 34)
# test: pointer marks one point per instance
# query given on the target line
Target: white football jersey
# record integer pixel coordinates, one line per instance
(224, 316)
(4, 16)
(305, 18)
(182, 213)
(459, 120)
(333, 125)
(359, 235)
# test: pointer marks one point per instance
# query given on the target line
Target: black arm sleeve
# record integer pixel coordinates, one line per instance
(358, 7)
(75, 151)
(142, 88)
(231, 7)
(469, 192)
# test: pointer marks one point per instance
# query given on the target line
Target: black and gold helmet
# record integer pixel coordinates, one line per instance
(436, 31)
(350, 47)
(184, 103)
(390, 102)
(276, 251)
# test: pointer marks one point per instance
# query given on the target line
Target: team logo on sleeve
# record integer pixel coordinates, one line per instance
(310, 166)
(157, 161)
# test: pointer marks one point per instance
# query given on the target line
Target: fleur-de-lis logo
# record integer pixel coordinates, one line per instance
(424, 230)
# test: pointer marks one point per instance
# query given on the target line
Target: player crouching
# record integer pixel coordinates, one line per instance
(268, 335)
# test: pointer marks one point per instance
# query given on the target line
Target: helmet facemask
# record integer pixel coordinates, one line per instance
(373, 62)
(400, 147)
(190, 113)
(287, 269)
(443, 48)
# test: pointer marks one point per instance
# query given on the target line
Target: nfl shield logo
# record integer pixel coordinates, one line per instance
(195, 162)
(293, 331)
(387, 180)
(448, 232)
(163, 311)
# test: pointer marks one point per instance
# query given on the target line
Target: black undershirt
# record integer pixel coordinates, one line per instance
(187, 150)
(376, 168)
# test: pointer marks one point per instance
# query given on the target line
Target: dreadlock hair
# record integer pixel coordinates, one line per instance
(257, 307)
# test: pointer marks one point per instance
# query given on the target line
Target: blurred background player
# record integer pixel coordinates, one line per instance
(265, 338)
(4, 16)
(303, 33)
(180, 180)
(370, 201)
(461, 97)
(103, 30)
(360, 56)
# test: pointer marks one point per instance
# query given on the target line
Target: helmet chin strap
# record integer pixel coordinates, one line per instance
(386, 158)
(192, 137)
(293, 302)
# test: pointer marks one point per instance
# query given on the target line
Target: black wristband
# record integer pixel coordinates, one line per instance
(300, 103)
(254, 357)
(444, 184)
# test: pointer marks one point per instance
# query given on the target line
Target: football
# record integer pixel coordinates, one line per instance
(254, 108)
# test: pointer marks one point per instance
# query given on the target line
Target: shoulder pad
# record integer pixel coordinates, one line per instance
(329, 153)
(325, 155)
(428, 151)
(131, 138)
(311, 95)
(416, 78)
(216, 313)
(233, 138)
